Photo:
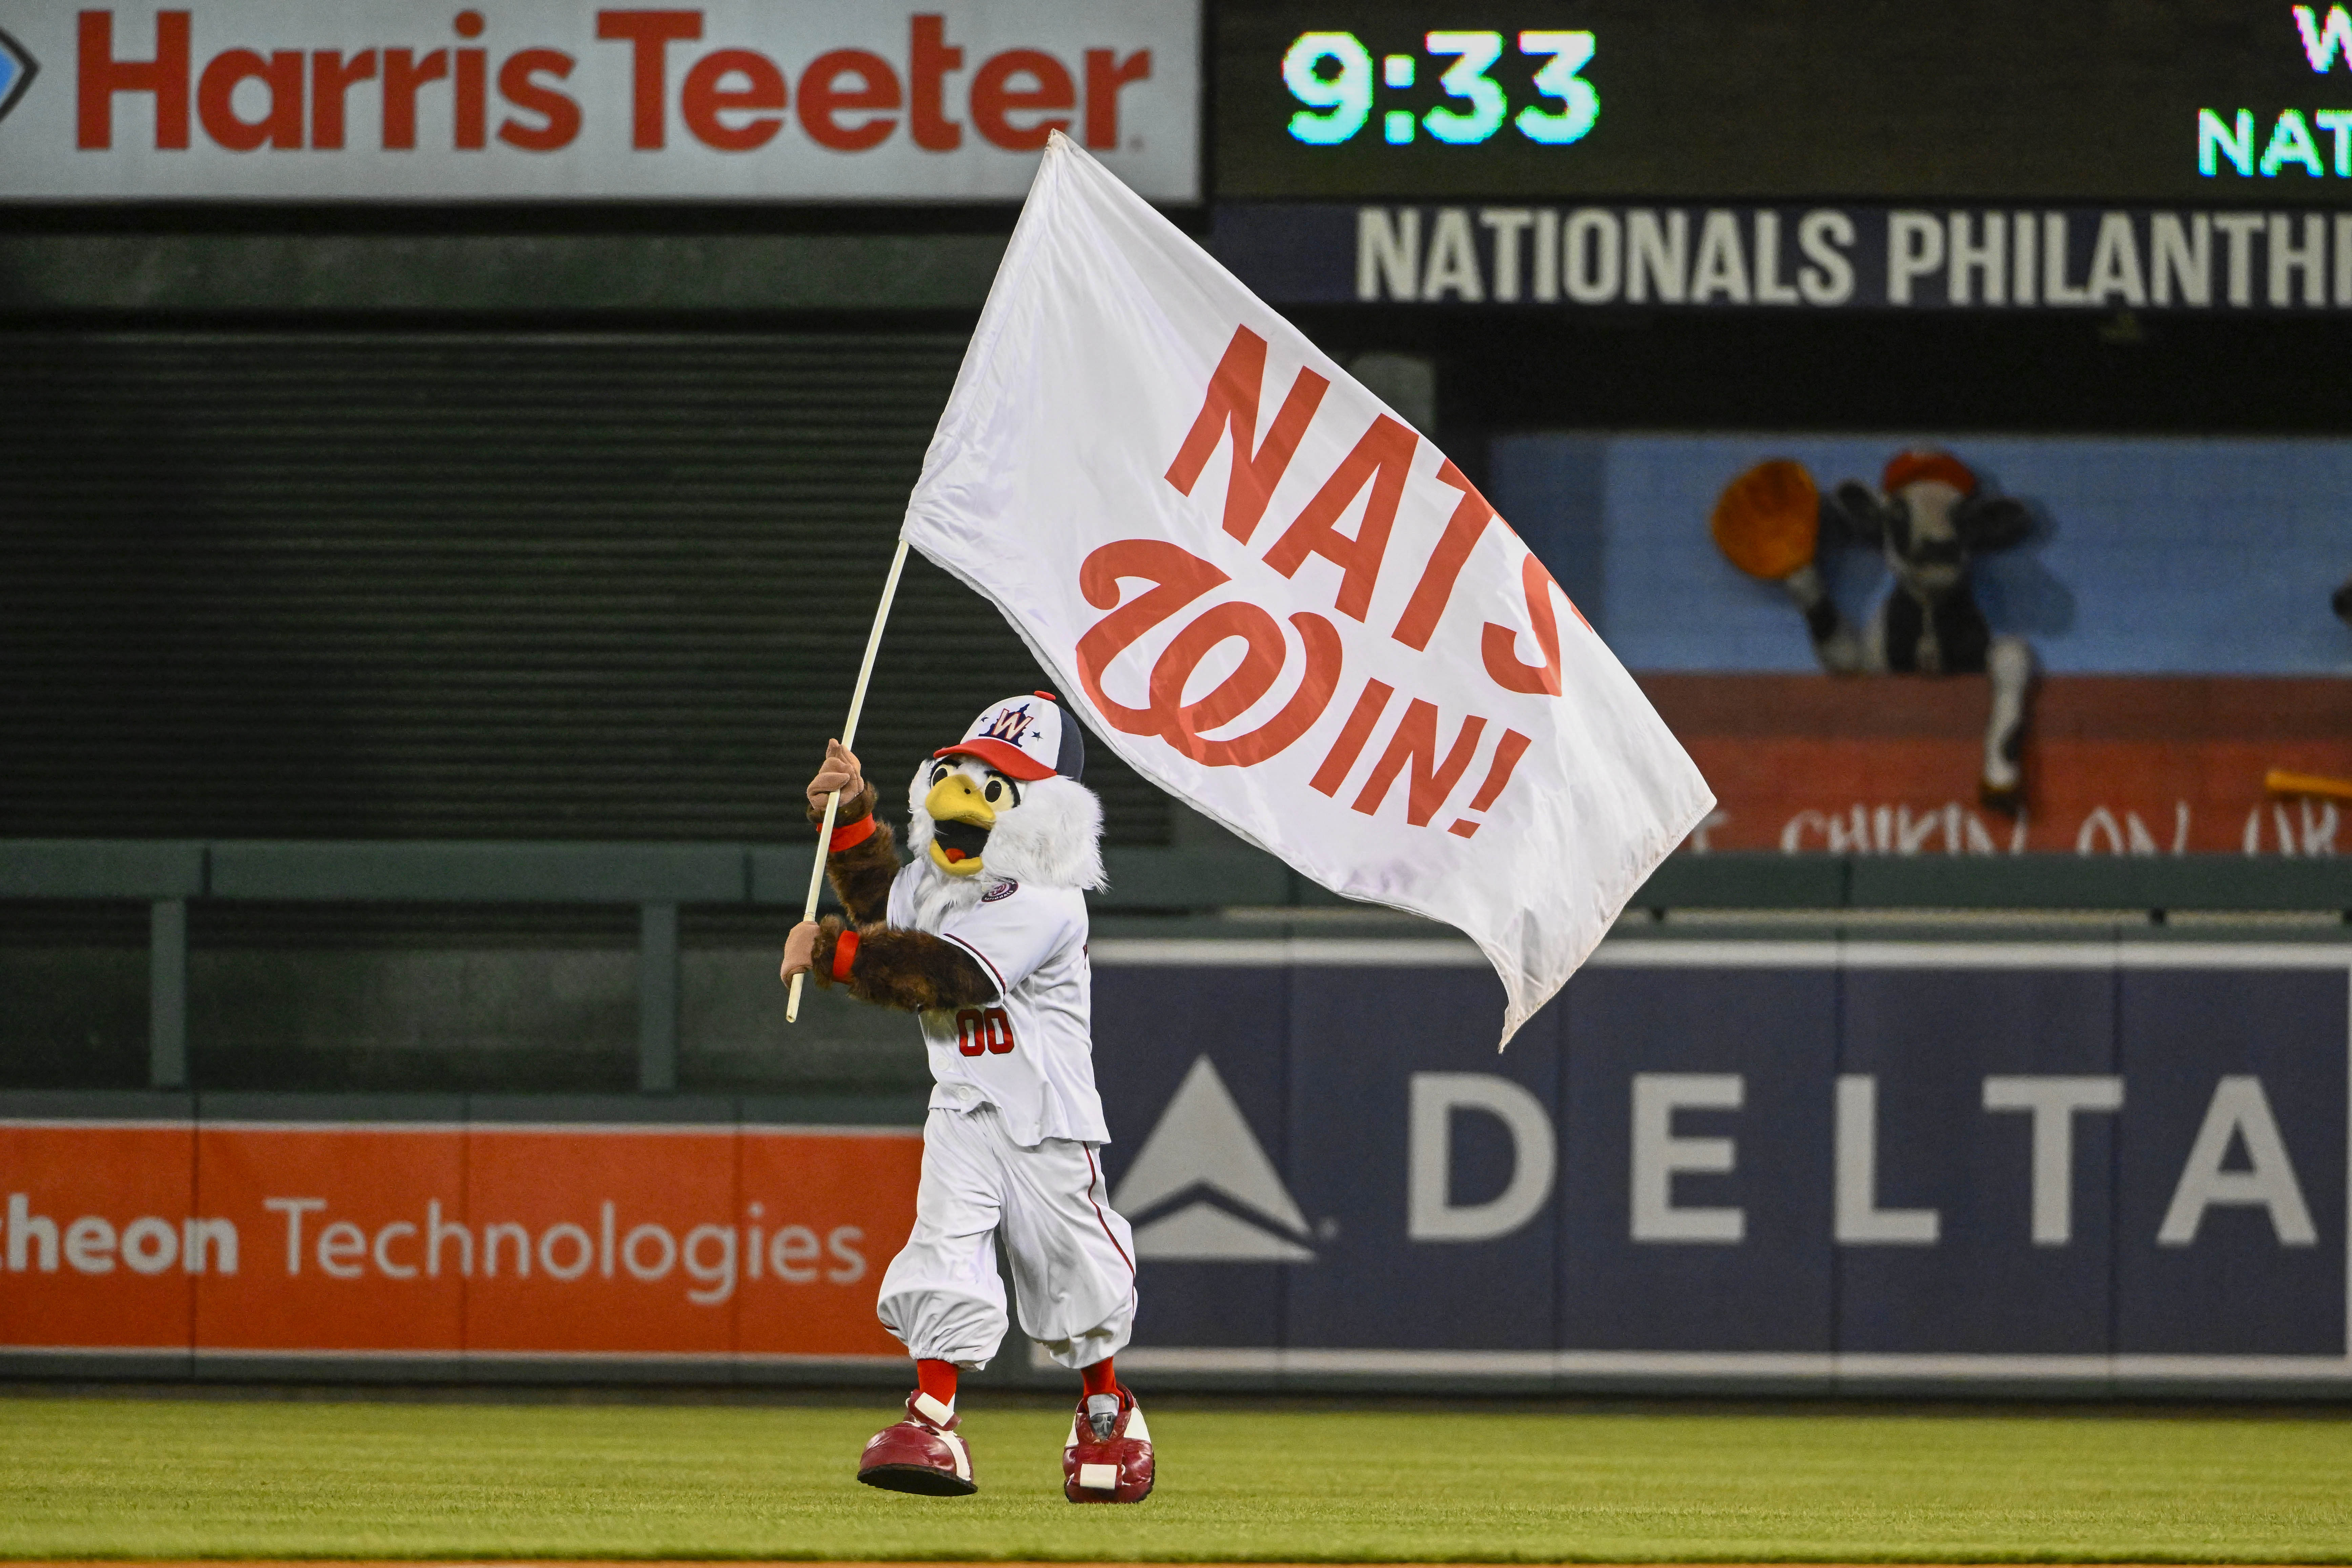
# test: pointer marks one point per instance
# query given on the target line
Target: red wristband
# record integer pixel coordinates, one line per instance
(850, 835)
(844, 950)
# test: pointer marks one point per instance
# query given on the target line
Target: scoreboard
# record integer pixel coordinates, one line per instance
(2220, 101)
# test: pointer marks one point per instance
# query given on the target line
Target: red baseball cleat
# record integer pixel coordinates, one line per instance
(922, 1453)
(1108, 1455)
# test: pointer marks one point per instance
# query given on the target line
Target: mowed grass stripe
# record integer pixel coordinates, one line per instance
(194, 1479)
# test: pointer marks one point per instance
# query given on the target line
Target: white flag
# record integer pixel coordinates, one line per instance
(1276, 600)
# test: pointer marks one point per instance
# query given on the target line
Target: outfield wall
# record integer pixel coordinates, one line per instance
(449, 1249)
(1816, 1163)
(2077, 1164)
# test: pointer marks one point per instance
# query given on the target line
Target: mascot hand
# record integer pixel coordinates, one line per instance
(800, 949)
(841, 773)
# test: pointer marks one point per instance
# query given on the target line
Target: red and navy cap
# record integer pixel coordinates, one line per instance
(1024, 738)
(1911, 467)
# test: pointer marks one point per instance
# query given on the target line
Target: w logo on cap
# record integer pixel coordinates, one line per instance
(1010, 725)
(17, 69)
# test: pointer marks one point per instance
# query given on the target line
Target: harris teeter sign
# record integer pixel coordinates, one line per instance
(728, 101)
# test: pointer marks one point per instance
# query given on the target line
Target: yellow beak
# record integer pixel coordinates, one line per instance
(957, 799)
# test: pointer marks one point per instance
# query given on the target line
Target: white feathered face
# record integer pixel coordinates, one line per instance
(969, 821)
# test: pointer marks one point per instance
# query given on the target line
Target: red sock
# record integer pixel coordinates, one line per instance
(1098, 1377)
(938, 1379)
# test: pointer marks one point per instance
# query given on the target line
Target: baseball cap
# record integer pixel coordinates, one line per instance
(1024, 738)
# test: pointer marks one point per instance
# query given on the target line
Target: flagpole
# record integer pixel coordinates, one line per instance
(848, 742)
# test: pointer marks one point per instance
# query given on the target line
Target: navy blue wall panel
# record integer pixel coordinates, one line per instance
(1769, 1292)
(1358, 1036)
(1152, 1025)
(1313, 1068)
(1930, 1037)
(2238, 1287)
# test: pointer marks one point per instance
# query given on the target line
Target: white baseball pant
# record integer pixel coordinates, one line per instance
(1072, 1257)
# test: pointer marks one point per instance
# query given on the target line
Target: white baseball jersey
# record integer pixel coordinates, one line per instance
(1031, 1053)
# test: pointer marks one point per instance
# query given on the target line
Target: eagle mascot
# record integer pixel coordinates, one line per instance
(982, 936)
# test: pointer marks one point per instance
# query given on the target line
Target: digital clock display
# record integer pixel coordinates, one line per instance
(2224, 101)
(1332, 75)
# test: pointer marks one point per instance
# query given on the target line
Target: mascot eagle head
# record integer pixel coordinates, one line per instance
(1004, 805)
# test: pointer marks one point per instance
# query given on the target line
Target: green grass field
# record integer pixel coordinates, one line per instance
(189, 1478)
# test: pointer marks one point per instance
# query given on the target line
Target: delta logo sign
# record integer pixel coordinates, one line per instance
(1825, 1163)
(539, 99)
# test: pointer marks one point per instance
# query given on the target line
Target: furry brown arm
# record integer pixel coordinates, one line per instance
(908, 969)
(861, 875)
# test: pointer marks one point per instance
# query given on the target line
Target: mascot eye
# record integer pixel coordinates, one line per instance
(994, 792)
(940, 773)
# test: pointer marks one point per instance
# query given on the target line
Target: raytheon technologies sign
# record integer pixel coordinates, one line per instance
(734, 100)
